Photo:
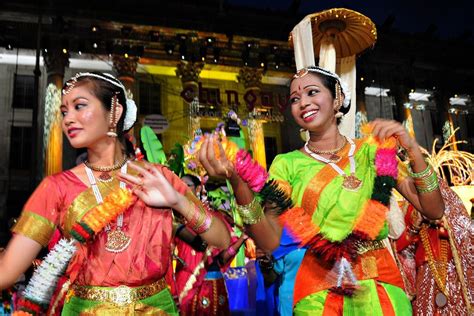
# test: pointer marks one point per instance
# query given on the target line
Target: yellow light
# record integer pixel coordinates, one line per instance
(262, 64)
(455, 95)
(412, 90)
(205, 74)
(125, 55)
(361, 78)
(64, 51)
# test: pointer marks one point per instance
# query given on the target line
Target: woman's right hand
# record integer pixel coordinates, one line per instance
(151, 186)
(216, 167)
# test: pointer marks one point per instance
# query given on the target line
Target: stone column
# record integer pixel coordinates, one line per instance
(189, 73)
(56, 61)
(251, 78)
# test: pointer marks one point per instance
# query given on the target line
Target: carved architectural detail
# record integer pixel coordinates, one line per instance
(189, 72)
(125, 67)
(56, 61)
(250, 77)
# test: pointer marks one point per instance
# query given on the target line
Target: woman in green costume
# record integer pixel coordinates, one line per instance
(329, 246)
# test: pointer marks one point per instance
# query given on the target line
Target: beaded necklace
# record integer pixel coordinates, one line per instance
(117, 240)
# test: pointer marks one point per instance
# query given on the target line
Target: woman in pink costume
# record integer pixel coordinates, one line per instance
(123, 268)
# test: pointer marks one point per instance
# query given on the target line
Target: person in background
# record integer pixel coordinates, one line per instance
(199, 280)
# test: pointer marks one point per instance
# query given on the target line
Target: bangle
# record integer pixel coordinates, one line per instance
(426, 181)
(206, 225)
(201, 221)
(251, 213)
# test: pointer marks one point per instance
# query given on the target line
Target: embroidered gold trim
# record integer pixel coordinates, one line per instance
(121, 295)
(34, 226)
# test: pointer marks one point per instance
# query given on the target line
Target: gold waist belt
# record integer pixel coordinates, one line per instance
(364, 246)
(121, 295)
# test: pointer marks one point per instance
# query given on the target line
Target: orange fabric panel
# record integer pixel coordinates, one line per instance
(385, 302)
(334, 305)
(314, 275)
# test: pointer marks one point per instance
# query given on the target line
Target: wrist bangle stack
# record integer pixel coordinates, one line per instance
(251, 213)
(201, 220)
(426, 181)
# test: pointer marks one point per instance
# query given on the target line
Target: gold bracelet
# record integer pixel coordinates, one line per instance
(251, 213)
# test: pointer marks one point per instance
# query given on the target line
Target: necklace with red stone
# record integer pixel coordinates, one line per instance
(105, 170)
(331, 152)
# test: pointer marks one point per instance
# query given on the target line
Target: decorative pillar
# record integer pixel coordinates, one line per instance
(251, 78)
(126, 68)
(189, 73)
(56, 62)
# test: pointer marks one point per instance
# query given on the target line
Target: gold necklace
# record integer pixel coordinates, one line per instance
(332, 152)
(105, 170)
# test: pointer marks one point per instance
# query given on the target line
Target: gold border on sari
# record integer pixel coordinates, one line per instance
(318, 183)
(35, 226)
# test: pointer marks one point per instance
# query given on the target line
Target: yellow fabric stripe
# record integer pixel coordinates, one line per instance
(35, 227)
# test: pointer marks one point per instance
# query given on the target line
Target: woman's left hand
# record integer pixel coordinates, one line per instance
(151, 186)
(383, 129)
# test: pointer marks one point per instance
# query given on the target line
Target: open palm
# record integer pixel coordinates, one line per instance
(151, 186)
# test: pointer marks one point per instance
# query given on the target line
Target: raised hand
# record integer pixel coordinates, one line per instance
(383, 129)
(151, 186)
(215, 166)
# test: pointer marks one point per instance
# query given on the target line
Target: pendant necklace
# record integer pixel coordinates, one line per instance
(333, 156)
(105, 175)
(351, 182)
(117, 240)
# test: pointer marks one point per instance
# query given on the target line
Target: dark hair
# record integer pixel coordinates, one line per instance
(194, 179)
(104, 91)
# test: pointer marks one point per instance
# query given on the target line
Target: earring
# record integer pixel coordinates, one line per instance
(304, 134)
(339, 101)
(112, 118)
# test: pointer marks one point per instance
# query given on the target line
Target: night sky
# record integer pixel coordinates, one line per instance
(411, 16)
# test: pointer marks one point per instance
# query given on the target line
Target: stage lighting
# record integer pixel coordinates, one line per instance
(216, 52)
